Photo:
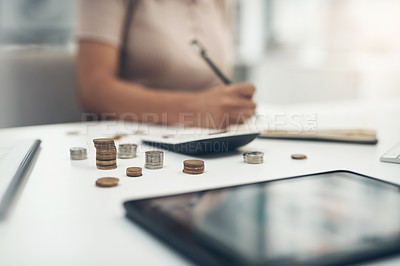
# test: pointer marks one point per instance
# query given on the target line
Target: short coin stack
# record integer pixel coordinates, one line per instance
(78, 153)
(253, 157)
(193, 167)
(106, 154)
(127, 151)
(134, 171)
(154, 159)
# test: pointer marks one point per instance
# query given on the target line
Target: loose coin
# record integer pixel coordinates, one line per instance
(134, 171)
(107, 182)
(299, 156)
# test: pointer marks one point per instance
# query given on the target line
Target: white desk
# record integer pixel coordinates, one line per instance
(61, 218)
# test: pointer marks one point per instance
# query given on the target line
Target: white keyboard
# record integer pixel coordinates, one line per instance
(392, 156)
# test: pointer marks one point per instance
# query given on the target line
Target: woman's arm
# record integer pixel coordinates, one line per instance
(101, 90)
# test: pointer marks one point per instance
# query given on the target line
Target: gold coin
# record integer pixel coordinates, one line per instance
(134, 171)
(107, 182)
(106, 157)
(105, 148)
(103, 141)
(193, 163)
(106, 152)
(102, 167)
(106, 162)
(193, 172)
(298, 156)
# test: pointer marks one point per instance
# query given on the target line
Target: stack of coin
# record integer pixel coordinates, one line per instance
(106, 154)
(134, 171)
(193, 167)
(127, 151)
(78, 153)
(154, 159)
(253, 157)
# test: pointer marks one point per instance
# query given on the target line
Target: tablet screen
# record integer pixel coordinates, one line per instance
(332, 217)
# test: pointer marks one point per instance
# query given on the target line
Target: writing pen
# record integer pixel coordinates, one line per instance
(203, 53)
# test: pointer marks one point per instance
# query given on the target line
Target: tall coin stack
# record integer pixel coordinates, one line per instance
(127, 151)
(253, 157)
(106, 154)
(154, 159)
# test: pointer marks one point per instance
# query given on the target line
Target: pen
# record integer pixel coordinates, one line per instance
(203, 53)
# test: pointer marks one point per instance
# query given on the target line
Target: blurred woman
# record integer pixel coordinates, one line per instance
(135, 58)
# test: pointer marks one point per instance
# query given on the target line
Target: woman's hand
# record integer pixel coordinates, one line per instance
(224, 105)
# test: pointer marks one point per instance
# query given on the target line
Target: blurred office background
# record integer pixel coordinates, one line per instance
(294, 51)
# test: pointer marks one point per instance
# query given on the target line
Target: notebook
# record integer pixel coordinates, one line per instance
(15, 159)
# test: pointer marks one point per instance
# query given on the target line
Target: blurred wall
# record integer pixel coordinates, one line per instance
(38, 86)
(336, 50)
(37, 62)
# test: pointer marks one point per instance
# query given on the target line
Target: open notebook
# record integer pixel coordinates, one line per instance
(347, 124)
(350, 135)
(15, 160)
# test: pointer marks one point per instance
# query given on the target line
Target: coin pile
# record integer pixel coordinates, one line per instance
(154, 159)
(134, 171)
(107, 182)
(253, 157)
(127, 151)
(106, 154)
(78, 153)
(193, 167)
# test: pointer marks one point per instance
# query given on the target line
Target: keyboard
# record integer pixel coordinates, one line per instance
(392, 156)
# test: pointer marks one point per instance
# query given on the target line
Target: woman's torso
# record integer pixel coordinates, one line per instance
(157, 51)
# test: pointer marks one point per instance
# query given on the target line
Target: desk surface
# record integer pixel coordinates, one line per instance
(61, 218)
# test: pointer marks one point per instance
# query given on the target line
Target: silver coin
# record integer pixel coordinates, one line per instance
(150, 153)
(254, 157)
(127, 151)
(78, 153)
(153, 167)
(154, 159)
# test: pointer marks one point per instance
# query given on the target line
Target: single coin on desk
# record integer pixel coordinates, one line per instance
(107, 182)
(299, 156)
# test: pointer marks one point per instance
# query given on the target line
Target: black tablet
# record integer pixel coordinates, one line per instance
(331, 218)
